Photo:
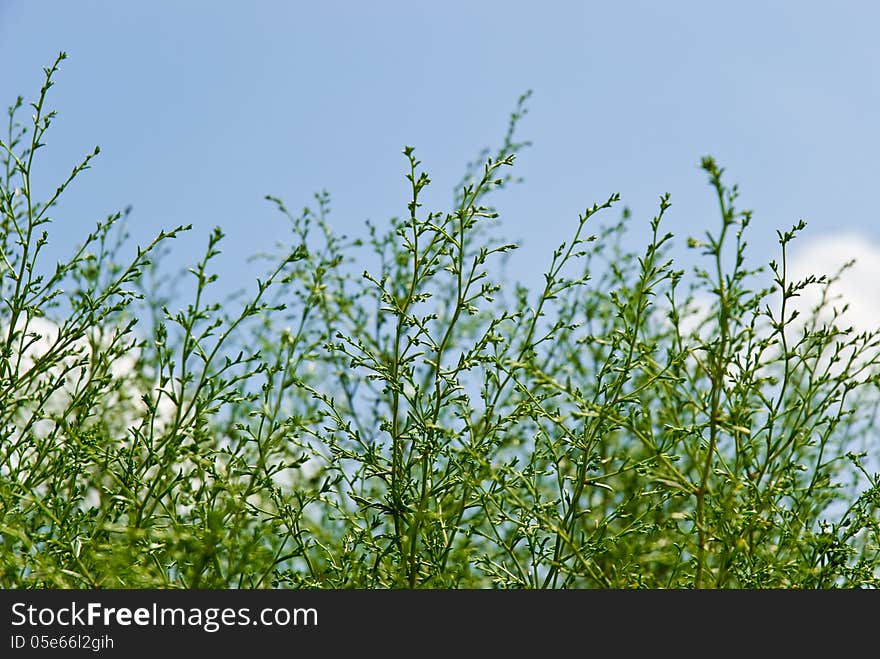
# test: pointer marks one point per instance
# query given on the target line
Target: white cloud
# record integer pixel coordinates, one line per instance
(71, 359)
(858, 286)
(41, 338)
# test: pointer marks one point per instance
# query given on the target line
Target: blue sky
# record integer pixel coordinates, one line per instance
(202, 108)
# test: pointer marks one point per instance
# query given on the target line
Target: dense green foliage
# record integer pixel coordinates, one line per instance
(426, 423)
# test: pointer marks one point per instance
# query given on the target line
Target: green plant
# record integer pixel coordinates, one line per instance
(426, 423)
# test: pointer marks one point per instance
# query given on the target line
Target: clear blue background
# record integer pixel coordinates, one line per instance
(202, 108)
